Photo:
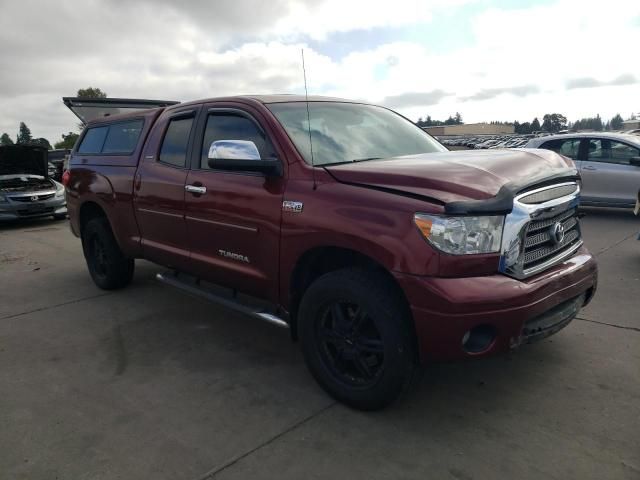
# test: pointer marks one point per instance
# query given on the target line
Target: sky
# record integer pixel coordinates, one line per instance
(487, 59)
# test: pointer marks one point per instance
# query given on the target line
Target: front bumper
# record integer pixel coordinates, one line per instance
(20, 210)
(515, 311)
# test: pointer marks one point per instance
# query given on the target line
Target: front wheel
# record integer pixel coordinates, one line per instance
(108, 266)
(356, 338)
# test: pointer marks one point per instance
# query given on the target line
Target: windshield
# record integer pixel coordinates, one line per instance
(348, 132)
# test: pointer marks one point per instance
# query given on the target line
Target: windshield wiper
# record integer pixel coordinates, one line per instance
(349, 161)
(365, 159)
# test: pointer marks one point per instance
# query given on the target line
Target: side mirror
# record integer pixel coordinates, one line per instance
(635, 161)
(240, 155)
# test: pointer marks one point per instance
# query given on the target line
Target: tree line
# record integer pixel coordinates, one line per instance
(551, 123)
(429, 122)
(25, 137)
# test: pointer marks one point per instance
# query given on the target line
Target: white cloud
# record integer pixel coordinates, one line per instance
(519, 65)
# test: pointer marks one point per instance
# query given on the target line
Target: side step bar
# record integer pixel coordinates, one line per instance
(192, 285)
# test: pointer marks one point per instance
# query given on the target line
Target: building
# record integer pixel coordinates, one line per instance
(630, 124)
(471, 129)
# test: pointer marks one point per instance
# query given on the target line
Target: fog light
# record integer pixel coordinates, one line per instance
(479, 339)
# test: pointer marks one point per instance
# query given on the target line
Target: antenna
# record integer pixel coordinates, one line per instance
(306, 98)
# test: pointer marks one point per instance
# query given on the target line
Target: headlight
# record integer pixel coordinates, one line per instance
(461, 235)
(59, 192)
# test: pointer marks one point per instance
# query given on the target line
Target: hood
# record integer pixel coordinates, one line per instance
(463, 177)
(23, 160)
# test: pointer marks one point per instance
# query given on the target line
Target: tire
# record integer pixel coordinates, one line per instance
(356, 338)
(108, 267)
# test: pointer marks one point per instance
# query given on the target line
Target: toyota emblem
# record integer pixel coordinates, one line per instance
(557, 233)
(34, 198)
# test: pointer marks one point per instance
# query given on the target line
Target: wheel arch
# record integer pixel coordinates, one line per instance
(320, 260)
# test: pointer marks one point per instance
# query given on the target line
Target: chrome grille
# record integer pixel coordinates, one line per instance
(539, 235)
(550, 193)
(27, 198)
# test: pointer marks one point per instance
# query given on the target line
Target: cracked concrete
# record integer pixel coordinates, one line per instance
(149, 383)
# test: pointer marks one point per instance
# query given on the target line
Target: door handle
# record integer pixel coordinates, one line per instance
(589, 167)
(195, 189)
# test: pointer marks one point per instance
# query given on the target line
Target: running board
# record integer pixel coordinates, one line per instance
(193, 286)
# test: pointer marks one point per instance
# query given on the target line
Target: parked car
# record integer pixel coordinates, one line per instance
(26, 191)
(344, 222)
(636, 209)
(57, 160)
(609, 164)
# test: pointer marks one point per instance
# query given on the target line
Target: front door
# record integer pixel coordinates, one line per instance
(607, 175)
(233, 217)
(159, 190)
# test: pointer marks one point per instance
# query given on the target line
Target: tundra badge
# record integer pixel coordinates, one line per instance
(233, 256)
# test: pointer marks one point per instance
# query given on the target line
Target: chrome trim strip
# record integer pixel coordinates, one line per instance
(223, 224)
(550, 262)
(158, 212)
(32, 194)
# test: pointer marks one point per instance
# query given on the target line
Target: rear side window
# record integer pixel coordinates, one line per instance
(176, 140)
(568, 147)
(610, 151)
(116, 138)
(93, 140)
(122, 137)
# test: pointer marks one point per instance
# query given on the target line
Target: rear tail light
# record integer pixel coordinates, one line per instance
(66, 176)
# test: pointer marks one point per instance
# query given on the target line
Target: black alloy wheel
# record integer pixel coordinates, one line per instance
(350, 344)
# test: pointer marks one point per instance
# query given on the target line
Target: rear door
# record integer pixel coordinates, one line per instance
(233, 226)
(607, 175)
(569, 147)
(159, 188)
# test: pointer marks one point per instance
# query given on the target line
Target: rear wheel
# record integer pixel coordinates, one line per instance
(355, 338)
(108, 267)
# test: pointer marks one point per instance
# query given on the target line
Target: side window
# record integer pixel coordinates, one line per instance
(233, 127)
(93, 140)
(123, 137)
(568, 147)
(610, 151)
(176, 140)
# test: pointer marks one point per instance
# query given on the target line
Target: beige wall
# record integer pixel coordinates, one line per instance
(471, 129)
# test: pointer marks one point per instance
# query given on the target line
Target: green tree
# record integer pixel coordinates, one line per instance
(24, 135)
(616, 122)
(41, 142)
(5, 139)
(554, 122)
(458, 118)
(91, 92)
(68, 141)
(535, 125)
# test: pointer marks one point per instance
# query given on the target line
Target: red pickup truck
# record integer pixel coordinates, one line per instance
(342, 221)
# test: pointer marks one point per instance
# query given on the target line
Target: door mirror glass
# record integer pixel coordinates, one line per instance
(233, 150)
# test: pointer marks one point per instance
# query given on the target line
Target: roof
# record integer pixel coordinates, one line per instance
(108, 110)
(267, 99)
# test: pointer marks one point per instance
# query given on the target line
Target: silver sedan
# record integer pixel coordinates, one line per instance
(609, 164)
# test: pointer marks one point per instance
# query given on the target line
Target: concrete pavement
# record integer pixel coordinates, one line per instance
(147, 382)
